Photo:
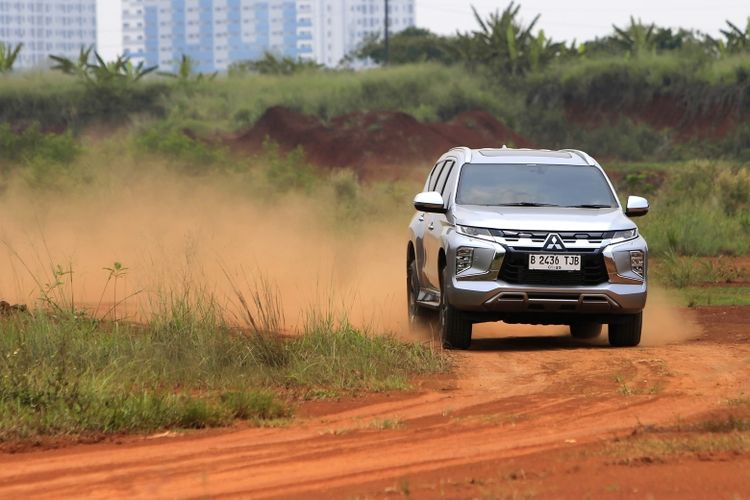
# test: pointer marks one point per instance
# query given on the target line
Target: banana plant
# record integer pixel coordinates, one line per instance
(8, 56)
(186, 72)
(505, 45)
(737, 39)
(101, 73)
(636, 37)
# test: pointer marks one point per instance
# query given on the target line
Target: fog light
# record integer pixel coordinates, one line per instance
(464, 257)
(638, 263)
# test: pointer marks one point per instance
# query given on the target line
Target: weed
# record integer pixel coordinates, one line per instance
(639, 449)
(386, 423)
(31, 146)
(624, 388)
(191, 154)
(717, 296)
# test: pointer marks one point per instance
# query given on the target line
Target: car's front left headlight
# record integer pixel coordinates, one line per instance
(627, 234)
(475, 232)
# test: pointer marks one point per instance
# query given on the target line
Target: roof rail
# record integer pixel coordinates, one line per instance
(465, 150)
(586, 158)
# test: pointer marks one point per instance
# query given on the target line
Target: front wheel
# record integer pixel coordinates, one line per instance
(626, 333)
(455, 327)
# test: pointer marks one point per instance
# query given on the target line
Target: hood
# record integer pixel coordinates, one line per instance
(542, 218)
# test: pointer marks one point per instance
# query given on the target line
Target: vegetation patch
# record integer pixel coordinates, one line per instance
(68, 374)
(717, 296)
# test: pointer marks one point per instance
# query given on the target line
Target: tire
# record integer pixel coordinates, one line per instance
(455, 327)
(585, 330)
(626, 333)
(419, 317)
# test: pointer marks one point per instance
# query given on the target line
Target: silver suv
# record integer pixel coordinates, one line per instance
(525, 236)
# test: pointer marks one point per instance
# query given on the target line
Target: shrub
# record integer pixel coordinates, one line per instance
(165, 139)
(33, 145)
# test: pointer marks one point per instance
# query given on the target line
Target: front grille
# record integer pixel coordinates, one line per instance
(516, 270)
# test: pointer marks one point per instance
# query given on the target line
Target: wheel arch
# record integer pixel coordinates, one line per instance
(442, 261)
(411, 254)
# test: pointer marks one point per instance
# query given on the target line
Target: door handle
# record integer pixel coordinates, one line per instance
(431, 226)
(421, 217)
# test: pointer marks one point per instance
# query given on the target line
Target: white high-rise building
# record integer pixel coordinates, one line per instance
(216, 33)
(44, 27)
(334, 28)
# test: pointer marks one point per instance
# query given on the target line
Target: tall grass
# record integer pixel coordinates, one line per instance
(703, 209)
(58, 101)
(570, 103)
(430, 92)
(186, 368)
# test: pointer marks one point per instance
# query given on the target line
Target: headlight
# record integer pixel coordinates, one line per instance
(464, 258)
(628, 234)
(475, 232)
(638, 263)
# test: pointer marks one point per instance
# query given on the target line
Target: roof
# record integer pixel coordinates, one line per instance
(515, 156)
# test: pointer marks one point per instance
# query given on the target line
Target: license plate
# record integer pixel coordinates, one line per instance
(554, 262)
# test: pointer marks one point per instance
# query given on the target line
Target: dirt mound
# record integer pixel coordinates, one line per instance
(662, 112)
(373, 143)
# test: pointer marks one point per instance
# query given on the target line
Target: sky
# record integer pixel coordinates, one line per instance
(560, 19)
(586, 19)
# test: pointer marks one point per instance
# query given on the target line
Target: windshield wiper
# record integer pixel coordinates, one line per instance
(528, 204)
(589, 205)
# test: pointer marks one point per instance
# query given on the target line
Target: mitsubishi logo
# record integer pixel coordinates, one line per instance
(553, 242)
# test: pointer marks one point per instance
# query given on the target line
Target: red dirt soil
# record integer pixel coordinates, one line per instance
(373, 143)
(662, 112)
(529, 411)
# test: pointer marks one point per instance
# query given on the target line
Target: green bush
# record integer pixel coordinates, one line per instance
(165, 139)
(33, 145)
(286, 172)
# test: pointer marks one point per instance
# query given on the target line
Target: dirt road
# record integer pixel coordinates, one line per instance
(523, 414)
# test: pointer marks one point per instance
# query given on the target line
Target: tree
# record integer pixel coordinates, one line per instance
(409, 46)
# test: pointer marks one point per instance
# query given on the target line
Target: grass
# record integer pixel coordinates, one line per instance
(66, 374)
(717, 296)
(727, 432)
(650, 449)
(685, 271)
(544, 106)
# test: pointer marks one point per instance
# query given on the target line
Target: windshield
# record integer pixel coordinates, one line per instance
(534, 185)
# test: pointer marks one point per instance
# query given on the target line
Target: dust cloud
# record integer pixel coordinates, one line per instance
(665, 322)
(177, 234)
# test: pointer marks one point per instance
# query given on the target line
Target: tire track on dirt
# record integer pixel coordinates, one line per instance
(510, 397)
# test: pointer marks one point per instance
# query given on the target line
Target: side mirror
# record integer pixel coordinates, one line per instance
(429, 201)
(636, 207)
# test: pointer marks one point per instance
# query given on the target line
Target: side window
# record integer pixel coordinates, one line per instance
(445, 175)
(432, 182)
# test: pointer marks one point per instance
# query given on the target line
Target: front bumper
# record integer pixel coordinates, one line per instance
(497, 296)
(480, 289)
